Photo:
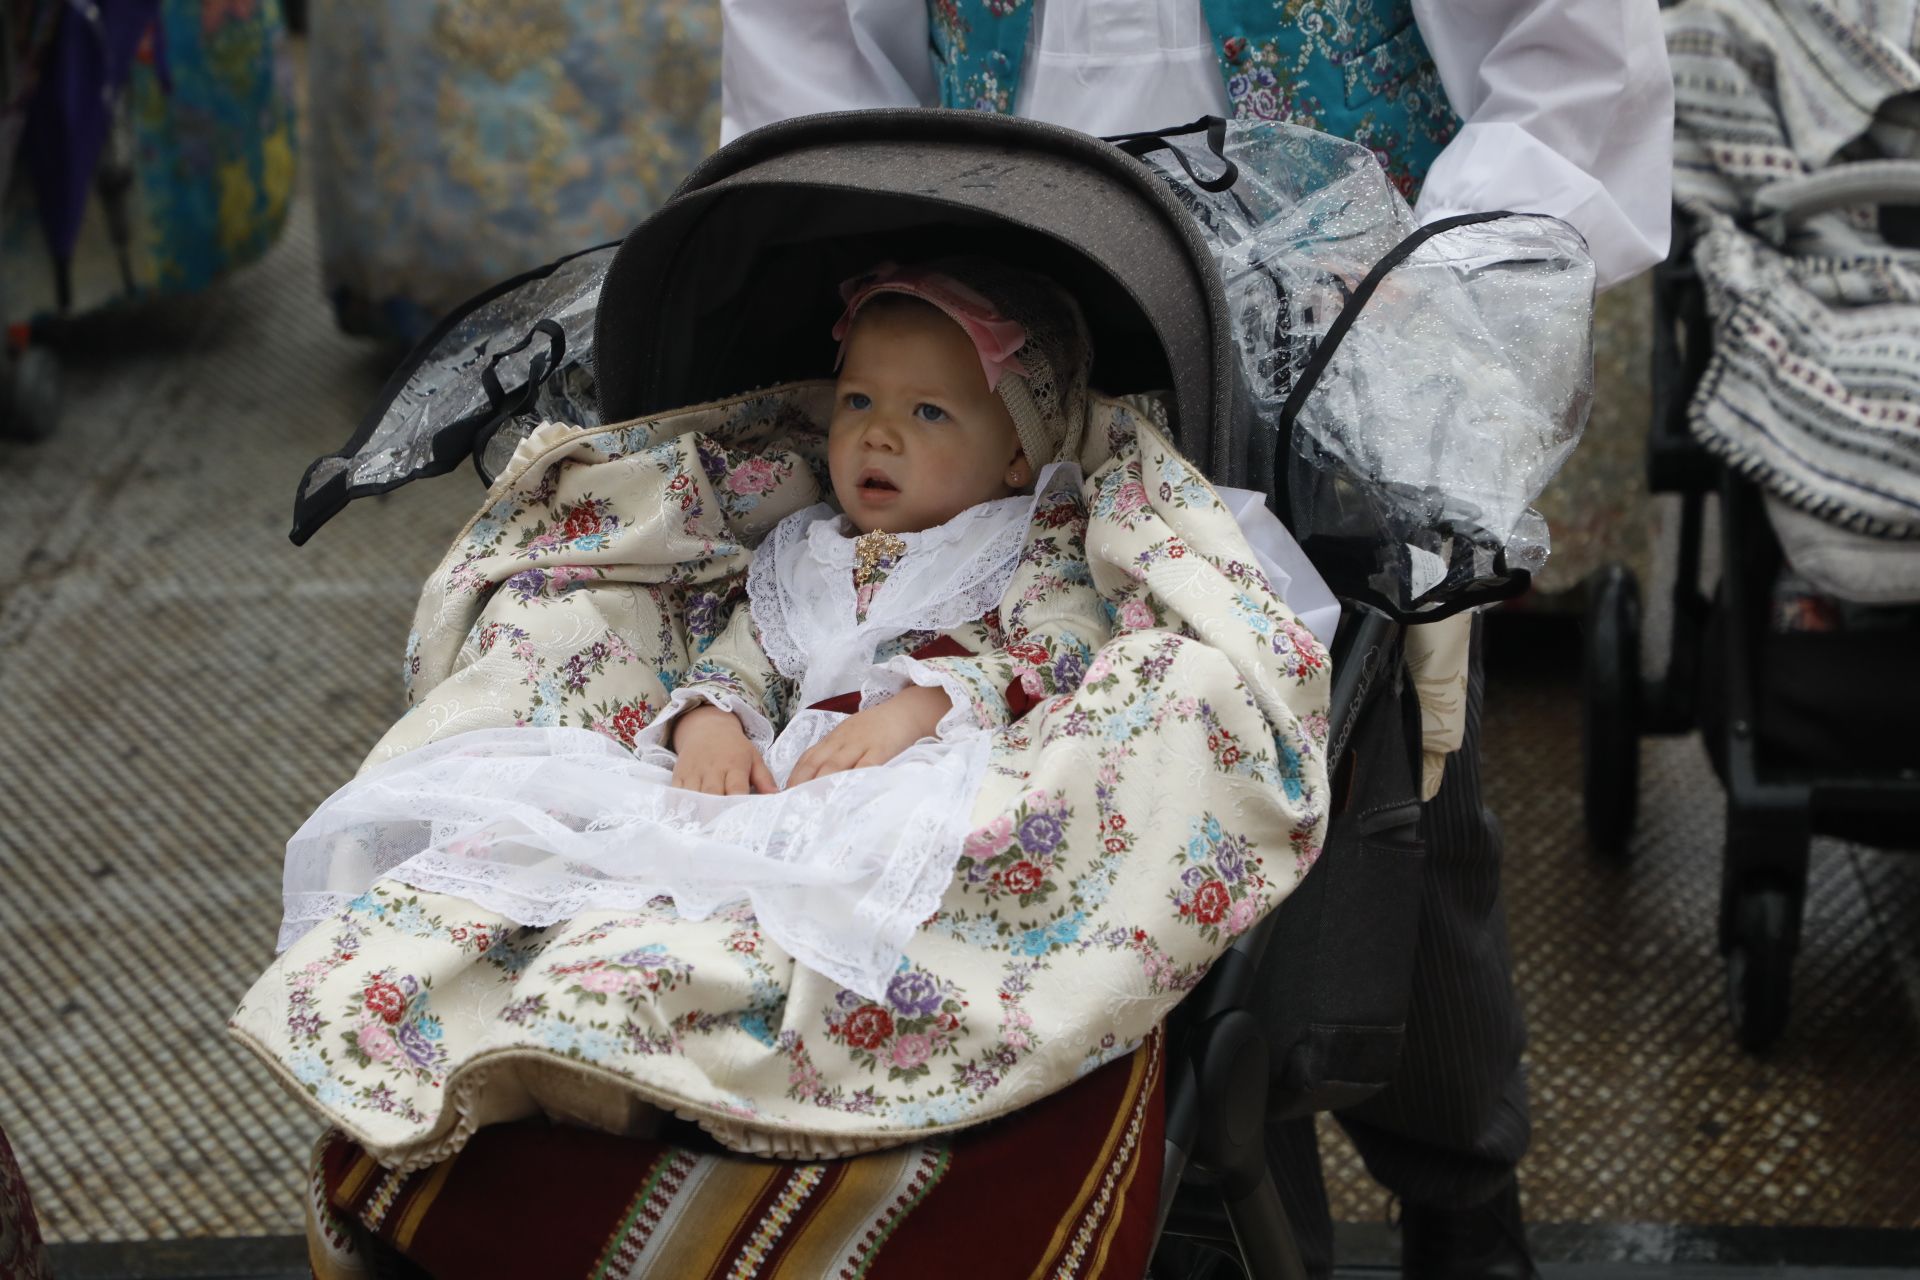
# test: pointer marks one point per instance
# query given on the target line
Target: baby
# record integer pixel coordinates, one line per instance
(923, 435)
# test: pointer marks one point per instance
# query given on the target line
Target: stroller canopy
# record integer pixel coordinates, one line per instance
(732, 284)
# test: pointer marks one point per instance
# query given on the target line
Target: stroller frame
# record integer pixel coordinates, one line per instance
(1713, 681)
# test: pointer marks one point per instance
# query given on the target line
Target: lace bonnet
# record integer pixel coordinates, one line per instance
(1032, 340)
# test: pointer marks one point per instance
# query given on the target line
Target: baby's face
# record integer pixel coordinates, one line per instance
(916, 436)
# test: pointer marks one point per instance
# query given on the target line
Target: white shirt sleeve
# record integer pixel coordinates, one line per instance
(781, 58)
(1568, 107)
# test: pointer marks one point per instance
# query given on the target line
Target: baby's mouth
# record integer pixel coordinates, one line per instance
(872, 483)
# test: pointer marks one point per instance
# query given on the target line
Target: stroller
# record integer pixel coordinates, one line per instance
(723, 289)
(1784, 371)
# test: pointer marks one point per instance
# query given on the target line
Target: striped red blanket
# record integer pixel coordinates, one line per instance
(1065, 1189)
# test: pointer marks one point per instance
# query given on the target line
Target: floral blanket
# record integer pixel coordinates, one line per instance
(1133, 821)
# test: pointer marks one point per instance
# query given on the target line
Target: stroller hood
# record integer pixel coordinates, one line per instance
(731, 285)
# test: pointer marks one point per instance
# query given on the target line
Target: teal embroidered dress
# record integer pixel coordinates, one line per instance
(1354, 68)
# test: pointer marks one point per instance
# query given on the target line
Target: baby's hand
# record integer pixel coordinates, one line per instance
(716, 757)
(874, 736)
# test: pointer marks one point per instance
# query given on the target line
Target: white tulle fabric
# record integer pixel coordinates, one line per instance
(541, 825)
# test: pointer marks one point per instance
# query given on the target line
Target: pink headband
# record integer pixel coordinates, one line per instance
(994, 337)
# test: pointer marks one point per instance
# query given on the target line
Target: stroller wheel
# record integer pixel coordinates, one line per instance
(30, 408)
(1610, 708)
(1759, 967)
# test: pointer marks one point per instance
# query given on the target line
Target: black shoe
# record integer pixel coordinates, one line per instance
(1486, 1242)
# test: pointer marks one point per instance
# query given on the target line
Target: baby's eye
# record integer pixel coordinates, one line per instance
(930, 413)
(859, 400)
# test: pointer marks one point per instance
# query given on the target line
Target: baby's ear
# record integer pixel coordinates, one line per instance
(1019, 470)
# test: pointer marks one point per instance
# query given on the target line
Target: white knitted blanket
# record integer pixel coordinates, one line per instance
(1813, 391)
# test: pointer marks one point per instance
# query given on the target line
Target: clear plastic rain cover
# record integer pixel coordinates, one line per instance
(1424, 424)
(518, 355)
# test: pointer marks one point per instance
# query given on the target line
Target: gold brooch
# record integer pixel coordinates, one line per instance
(875, 551)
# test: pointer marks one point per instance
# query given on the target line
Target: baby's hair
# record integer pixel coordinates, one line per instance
(896, 303)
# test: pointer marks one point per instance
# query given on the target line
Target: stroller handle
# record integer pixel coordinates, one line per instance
(1781, 206)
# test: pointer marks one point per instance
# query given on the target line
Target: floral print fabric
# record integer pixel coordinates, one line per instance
(457, 144)
(1154, 797)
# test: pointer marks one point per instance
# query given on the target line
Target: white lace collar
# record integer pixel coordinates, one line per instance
(801, 587)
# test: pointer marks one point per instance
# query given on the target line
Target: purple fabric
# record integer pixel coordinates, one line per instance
(94, 45)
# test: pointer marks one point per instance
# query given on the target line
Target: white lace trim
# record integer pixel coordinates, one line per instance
(897, 673)
(768, 600)
(541, 825)
(650, 743)
(800, 585)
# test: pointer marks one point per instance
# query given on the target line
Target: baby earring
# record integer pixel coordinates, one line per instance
(1016, 477)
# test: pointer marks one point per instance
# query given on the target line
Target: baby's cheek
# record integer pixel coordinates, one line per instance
(967, 469)
(836, 475)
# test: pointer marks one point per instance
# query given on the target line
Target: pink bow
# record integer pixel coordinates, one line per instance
(994, 337)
